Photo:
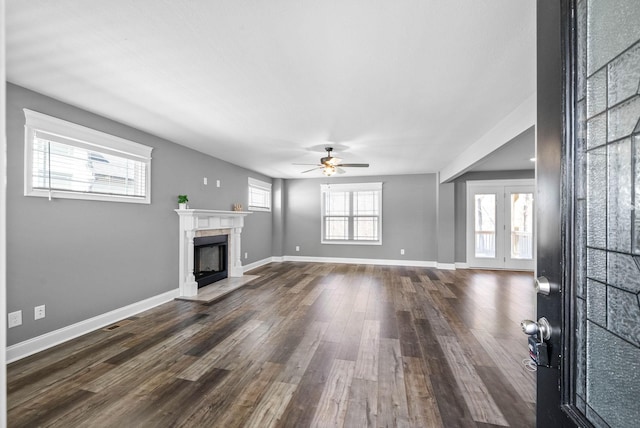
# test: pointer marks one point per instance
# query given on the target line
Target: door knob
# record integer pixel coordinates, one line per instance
(532, 328)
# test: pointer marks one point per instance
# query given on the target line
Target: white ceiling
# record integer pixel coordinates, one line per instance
(405, 85)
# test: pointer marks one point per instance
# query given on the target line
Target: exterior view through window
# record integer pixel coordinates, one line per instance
(352, 213)
(65, 160)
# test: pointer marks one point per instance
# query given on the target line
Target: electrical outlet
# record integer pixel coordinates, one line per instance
(205, 181)
(297, 247)
(217, 183)
(38, 312)
(402, 252)
(246, 255)
(15, 319)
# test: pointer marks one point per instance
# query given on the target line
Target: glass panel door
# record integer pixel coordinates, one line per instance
(604, 383)
(519, 204)
(521, 226)
(500, 225)
(485, 225)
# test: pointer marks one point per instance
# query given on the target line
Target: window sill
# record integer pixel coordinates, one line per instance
(61, 194)
(266, 210)
(352, 242)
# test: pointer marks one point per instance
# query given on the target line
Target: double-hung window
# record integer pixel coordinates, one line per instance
(259, 195)
(65, 160)
(351, 213)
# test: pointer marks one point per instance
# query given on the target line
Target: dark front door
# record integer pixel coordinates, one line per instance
(551, 212)
(588, 201)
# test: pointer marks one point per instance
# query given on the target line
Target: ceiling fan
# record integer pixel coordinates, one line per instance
(331, 164)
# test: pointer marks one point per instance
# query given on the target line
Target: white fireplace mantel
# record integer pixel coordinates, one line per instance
(193, 221)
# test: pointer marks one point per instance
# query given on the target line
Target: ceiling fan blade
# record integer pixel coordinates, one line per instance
(334, 161)
(312, 169)
(340, 170)
(360, 165)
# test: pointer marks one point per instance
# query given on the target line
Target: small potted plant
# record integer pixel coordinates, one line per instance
(182, 202)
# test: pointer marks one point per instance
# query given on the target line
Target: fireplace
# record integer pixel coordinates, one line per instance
(196, 224)
(209, 259)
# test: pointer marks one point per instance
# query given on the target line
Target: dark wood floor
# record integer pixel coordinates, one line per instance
(302, 345)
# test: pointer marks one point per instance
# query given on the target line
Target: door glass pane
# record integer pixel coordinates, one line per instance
(522, 226)
(485, 225)
(606, 341)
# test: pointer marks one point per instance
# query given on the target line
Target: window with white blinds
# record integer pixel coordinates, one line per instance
(259, 195)
(65, 160)
(351, 213)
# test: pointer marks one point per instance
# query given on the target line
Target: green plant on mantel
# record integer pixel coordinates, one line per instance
(183, 199)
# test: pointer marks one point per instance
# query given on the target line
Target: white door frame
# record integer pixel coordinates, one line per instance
(502, 259)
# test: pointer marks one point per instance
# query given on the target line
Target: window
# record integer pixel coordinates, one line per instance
(352, 213)
(259, 195)
(65, 160)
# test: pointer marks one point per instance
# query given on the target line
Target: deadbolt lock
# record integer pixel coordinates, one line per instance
(544, 286)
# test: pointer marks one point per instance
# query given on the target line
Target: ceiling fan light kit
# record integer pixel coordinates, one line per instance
(329, 170)
(330, 164)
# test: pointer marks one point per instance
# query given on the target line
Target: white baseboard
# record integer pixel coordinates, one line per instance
(346, 260)
(259, 263)
(460, 265)
(56, 337)
(446, 266)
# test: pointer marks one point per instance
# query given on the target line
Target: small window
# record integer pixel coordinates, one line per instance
(259, 195)
(352, 213)
(65, 160)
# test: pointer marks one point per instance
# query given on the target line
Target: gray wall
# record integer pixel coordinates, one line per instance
(461, 202)
(277, 194)
(85, 258)
(409, 206)
(446, 223)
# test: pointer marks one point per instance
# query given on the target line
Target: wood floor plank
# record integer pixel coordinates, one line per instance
(305, 344)
(409, 343)
(302, 406)
(70, 369)
(297, 364)
(421, 398)
(368, 353)
(451, 404)
(55, 408)
(393, 410)
(139, 364)
(207, 361)
(474, 391)
(362, 408)
(522, 381)
(244, 404)
(517, 413)
(332, 406)
(268, 412)
(350, 341)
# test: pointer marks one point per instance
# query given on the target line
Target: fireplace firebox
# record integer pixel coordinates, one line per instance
(209, 259)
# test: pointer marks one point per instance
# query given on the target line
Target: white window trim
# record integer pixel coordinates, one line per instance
(263, 185)
(350, 187)
(84, 137)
